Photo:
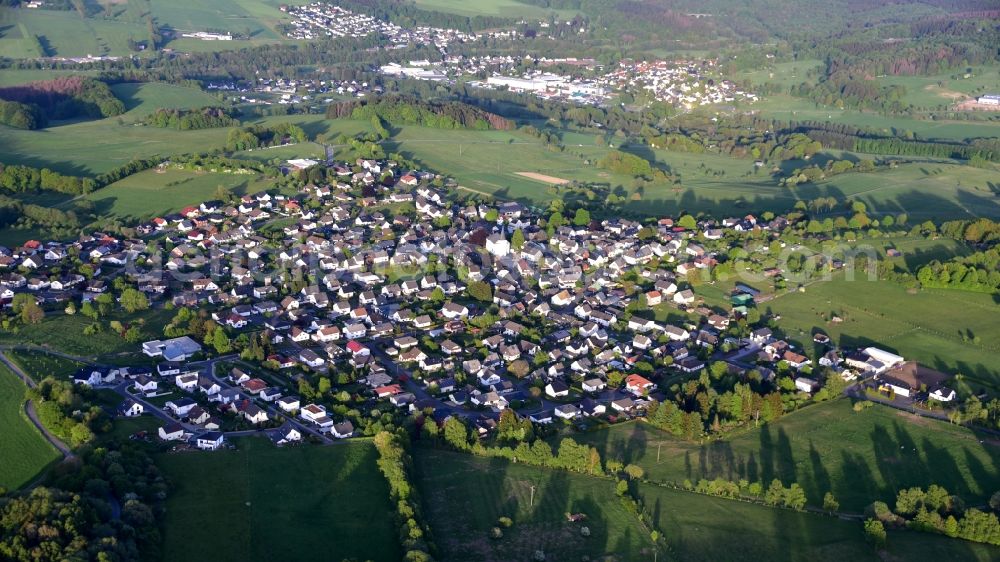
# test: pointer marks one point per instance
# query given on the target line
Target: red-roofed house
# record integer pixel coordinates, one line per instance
(637, 384)
(388, 390)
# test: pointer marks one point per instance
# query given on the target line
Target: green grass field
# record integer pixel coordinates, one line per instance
(264, 503)
(64, 33)
(945, 89)
(64, 333)
(859, 456)
(465, 495)
(502, 8)
(23, 449)
(785, 107)
(92, 147)
(933, 326)
(705, 529)
(151, 193)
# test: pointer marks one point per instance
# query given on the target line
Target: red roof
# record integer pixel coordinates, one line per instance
(354, 346)
(388, 390)
(637, 381)
(255, 385)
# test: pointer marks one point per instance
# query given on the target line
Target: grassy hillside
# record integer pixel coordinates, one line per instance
(23, 448)
(936, 327)
(859, 456)
(92, 147)
(502, 8)
(706, 529)
(153, 192)
(465, 495)
(65, 33)
(261, 503)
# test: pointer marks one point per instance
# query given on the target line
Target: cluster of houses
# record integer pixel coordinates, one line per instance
(685, 84)
(380, 275)
(319, 20)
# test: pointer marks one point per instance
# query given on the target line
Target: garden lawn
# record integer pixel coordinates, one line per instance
(859, 456)
(24, 450)
(464, 496)
(705, 529)
(263, 503)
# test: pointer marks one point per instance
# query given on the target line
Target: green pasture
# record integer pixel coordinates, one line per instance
(945, 89)
(153, 192)
(464, 496)
(949, 330)
(64, 332)
(24, 450)
(706, 529)
(501, 8)
(262, 503)
(64, 33)
(787, 108)
(858, 456)
(92, 147)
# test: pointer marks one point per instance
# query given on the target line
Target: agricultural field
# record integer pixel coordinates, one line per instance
(482, 490)
(859, 456)
(63, 33)
(501, 8)
(702, 529)
(141, 99)
(489, 161)
(14, 76)
(493, 162)
(787, 108)
(154, 192)
(24, 450)
(948, 330)
(278, 504)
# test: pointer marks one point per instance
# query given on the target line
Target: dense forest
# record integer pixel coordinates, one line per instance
(978, 271)
(66, 97)
(21, 115)
(102, 506)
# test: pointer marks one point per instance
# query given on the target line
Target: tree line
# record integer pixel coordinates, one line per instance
(191, 119)
(259, 136)
(402, 110)
(395, 464)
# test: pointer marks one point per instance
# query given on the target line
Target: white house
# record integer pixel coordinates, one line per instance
(567, 411)
(130, 408)
(171, 432)
(210, 441)
(556, 389)
(806, 384)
